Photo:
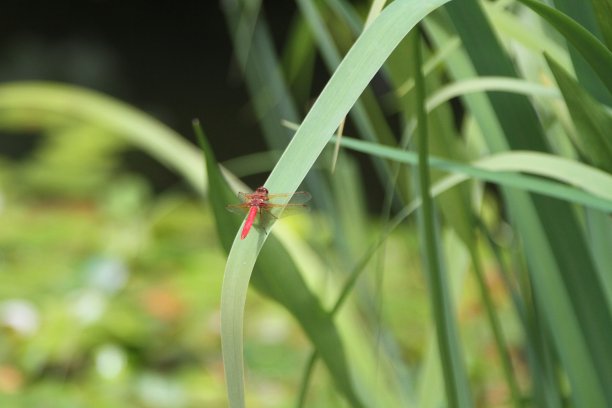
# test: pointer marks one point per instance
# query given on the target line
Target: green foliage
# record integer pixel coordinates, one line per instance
(94, 292)
(121, 287)
(277, 276)
(592, 122)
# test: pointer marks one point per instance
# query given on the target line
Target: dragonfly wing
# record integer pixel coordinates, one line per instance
(238, 208)
(244, 197)
(299, 197)
(281, 211)
(291, 209)
(295, 204)
(270, 211)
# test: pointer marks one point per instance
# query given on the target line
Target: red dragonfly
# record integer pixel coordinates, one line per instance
(262, 203)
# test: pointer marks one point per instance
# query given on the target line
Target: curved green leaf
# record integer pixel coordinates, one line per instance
(593, 51)
(482, 84)
(594, 185)
(277, 276)
(350, 79)
(553, 241)
(593, 124)
(33, 101)
(456, 383)
(603, 14)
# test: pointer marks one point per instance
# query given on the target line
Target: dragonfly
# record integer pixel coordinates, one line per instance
(265, 204)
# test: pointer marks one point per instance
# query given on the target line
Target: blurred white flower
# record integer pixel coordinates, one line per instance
(110, 361)
(108, 274)
(88, 305)
(159, 392)
(20, 315)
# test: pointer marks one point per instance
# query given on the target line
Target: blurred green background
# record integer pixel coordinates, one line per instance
(112, 250)
(110, 267)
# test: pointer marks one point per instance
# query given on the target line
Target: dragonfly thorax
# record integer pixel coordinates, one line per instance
(258, 202)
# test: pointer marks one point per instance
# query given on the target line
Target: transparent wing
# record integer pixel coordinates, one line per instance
(294, 206)
(244, 197)
(285, 211)
(299, 197)
(271, 210)
(238, 208)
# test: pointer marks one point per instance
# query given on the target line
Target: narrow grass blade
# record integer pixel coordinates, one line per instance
(358, 67)
(593, 51)
(375, 8)
(583, 13)
(453, 369)
(603, 14)
(510, 26)
(593, 124)
(594, 185)
(369, 128)
(459, 67)
(42, 100)
(261, 69)
(277, 277)
(552, 236)
(350, 79)
(496, 328)
(265, 81)
(298, 60)
(482, 84)
(599, 229)
(430, 387)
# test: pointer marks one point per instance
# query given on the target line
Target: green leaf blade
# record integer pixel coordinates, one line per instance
(592, 122)
(593, 51)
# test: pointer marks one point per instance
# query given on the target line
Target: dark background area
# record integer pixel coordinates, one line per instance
(172, 60)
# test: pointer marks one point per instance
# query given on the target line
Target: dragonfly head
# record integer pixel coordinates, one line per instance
(262, 190)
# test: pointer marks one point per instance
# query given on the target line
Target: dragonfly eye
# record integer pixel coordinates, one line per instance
(262, 190)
